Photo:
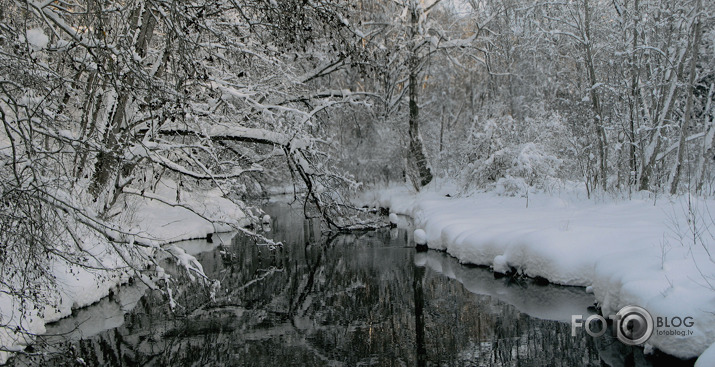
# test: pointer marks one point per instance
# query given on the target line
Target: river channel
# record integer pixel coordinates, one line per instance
(360, 299)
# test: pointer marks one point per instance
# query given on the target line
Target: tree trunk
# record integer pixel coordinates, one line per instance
(632, 176)
(659, 118)
(416, 150)
(708, 141)
(441, 129)
(595, 101)
(688, 104)
(109, 163)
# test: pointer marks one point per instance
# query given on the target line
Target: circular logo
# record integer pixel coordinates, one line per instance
(634, 325)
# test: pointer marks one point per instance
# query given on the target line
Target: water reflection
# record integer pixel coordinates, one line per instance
(347, 300)
(549, 303)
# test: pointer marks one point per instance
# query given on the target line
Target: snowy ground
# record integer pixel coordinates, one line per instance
(157, 221)
(154, 219)
(654, 252)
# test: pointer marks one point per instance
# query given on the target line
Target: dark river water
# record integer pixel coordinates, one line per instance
(363, 299)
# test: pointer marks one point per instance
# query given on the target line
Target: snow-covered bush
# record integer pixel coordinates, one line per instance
(512, 155)
(532, 166)
(511, 186)
(535, 165)
(494, 167)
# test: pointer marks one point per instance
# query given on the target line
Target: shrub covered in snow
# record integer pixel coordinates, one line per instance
(494, 167)
(512, 155)
(535, 165)
(511, 186)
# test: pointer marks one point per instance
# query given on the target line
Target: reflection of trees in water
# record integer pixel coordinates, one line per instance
(467, 329)
(343, 300)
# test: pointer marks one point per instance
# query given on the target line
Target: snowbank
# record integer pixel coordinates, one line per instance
(156, 219)
(650, 252)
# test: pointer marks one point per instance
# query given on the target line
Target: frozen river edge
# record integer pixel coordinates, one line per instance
(640, 251)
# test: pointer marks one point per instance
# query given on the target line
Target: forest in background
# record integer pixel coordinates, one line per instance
(616, 95)
(111, 96)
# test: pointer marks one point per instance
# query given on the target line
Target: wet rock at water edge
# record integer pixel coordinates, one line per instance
(539, 280)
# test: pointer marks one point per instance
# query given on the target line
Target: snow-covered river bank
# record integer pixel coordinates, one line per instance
(154, 220)
(647, 251)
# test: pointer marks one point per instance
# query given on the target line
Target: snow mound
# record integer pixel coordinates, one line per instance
(394, 218)
(420, 237)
